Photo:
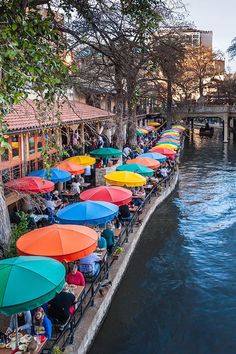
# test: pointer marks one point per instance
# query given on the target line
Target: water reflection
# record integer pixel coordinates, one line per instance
(178, 295)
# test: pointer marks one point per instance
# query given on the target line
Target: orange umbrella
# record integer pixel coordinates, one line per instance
(71, 167)
(62, 242)
(146, 161)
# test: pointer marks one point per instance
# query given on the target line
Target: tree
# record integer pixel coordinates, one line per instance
(31, 61)
(201, 65)
(121, 31)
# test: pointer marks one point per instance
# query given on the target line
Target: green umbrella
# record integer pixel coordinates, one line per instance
(137, 168)
(139, 133)
(106, 152)
(28, 282)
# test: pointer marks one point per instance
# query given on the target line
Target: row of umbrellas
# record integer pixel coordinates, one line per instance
(62, 242)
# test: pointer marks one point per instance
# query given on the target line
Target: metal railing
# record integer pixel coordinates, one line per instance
(87, 298)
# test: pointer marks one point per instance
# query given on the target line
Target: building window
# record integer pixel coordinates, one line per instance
(15, 144)
(32, 143)
(40, 142)
(5, 156)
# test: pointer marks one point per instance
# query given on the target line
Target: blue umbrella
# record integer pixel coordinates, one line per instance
(154, 155)
(172, 137)
(53, 174)
(87, 213)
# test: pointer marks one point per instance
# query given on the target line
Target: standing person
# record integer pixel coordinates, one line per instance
(90, 265)
(100, 142)
(23, 321)
(41, 324)
(109, 236)
(87, 174)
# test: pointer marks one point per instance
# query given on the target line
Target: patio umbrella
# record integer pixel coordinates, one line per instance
(28, 282)
(149, 128)
(170, 132)
(179, 127)
(87, 213)
(61, 242)
(125, 178)
(82, 160)
(31, 185)
(106, 152)
(168, 146)
(169, 141)
(137, 168)
(177, 138)
(154, 155)
(138, 133)
(170, 154)
(141, 130)
(71, 167)
(154, 124)
(115, 195)
(146, 161)
(53, 174)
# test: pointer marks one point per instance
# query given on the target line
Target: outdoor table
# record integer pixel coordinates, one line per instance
(39, 217)
(102, 254)
(77, 290)
(85, 185)
(133, 209)
(117, 232)
(9, 350)
(148, 186)
(68, 194)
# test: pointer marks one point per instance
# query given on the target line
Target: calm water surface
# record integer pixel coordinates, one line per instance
(179, 293)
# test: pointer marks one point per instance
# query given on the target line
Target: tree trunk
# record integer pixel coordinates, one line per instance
(132, 121)
(169, 104)
(5, 227)
(200, 87)
(118, 138)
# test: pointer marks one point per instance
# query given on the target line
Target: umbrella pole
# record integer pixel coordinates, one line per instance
(17, 338)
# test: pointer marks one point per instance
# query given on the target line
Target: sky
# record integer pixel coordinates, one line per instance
(217, 16)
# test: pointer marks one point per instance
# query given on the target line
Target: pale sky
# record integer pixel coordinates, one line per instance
(218, 16)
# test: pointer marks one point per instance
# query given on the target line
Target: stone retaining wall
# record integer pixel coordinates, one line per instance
(94, 316)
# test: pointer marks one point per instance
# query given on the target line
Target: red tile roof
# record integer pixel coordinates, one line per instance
(25, 116)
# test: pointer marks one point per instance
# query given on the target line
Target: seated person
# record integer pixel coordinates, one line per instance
(80, 179)
(124, 212)
(60, 307)
(109, 236)
(41, 324)
(163, 172)
(90, 265)
(75, 187)
(99, 163)
(75, 277)
(117, 223)
(102, 243)
(24, 322)
(64, 203)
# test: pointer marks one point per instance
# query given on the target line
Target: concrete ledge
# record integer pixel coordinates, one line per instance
(93, 318)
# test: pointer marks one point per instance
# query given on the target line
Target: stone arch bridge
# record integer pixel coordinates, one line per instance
(226, 113)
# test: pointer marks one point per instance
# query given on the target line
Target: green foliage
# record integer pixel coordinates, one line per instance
(57, 350)
(17, 231)
(118, 251)
(31, 60)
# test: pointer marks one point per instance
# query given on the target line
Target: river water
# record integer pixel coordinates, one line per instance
(179, 293)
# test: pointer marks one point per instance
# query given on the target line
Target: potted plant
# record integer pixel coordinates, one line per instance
(117, 252)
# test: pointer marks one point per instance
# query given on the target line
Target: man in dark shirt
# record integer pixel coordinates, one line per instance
(124, 211)
(59, 307)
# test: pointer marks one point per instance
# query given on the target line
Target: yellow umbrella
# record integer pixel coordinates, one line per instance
(125, 178)
(82, 160)
(154, 124)
(168, 146)
(179, 127)
(173, 133)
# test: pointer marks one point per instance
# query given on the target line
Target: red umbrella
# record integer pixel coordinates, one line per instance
(31, 185)
(115, 195)
(164, 151)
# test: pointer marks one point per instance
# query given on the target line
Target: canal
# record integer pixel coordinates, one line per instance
(179, 293)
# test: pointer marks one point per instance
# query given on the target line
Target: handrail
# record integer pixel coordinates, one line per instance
(87, 299)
